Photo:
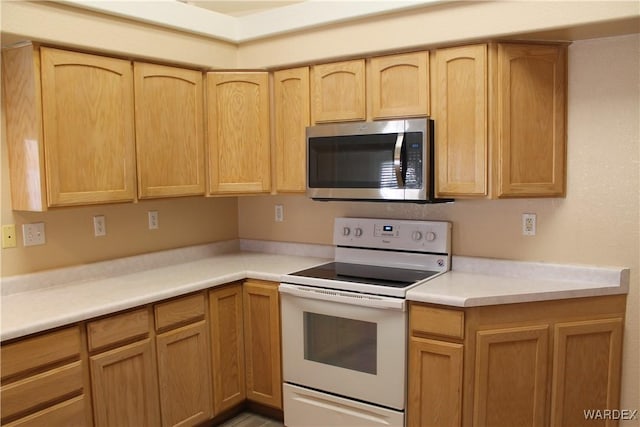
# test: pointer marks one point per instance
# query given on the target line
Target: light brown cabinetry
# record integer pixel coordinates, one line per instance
(435, 383)
(184, 374)
(586, 369)
(399, 85)
(291, 117)
(43, 378)
(238, 132)
(511, 376)
(500, 114)
(460, 112)
(245, 342)
(262, 342)
(530, 364)
(169, 131)
(227, 346)
(435, 366)
(70, 128)
(124, 370)
(338, 91)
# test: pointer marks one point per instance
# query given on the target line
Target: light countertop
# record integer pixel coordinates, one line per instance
(37, 310)
(40, 301)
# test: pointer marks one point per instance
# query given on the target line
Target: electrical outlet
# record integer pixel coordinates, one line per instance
(279, 213)
(9, 236)
(33, 234)
(99, 226)
(153, 220)
(528, 224)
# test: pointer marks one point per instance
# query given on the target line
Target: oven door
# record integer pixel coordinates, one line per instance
(345, 343)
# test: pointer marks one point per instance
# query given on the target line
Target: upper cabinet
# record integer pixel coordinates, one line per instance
(338, 91)
(291, 117)
(531, 120)
(461, 99)
(238, 132)
(399, 85)
(169, 131)
(70, 130)
(500, 114)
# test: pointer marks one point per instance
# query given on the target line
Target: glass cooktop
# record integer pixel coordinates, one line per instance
(367, 274)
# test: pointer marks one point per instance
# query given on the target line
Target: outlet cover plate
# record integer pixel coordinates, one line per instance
(9, 236)
(33, 234)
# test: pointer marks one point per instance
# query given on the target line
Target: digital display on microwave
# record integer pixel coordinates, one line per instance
(387, 228)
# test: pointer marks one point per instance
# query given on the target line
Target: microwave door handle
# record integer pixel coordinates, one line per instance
(397, 159)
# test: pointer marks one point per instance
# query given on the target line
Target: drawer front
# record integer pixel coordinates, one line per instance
(37, 352)
(39, 390)
(70, 413)
(119, 328)
(437, 321)
(180, 311)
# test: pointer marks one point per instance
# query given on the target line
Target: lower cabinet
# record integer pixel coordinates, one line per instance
(184, 374)
(179, 362)
(44, 381)
(511, 376)
(435, 384)
(530, 364)
(245, 335)
(123, 370)
(586, 369)
(262, 342)
(227, 348)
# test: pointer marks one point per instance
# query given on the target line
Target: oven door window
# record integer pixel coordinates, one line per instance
(341, 342)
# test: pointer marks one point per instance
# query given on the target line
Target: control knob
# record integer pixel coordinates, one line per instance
(358, 232)
(346, 231)
(430, 236)
(416, 235)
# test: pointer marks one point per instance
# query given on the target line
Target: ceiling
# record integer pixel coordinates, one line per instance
(239, 21)
(240, 7)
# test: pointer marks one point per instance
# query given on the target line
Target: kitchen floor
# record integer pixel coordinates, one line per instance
(247, 419)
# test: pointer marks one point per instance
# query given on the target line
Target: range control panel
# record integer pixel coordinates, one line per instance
(394, 234)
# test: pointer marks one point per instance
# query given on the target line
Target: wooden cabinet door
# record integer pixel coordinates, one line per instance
(227, 347)
(435, 383)
(169, 131)
(238, 132)
(531, 120)
(292, 105)
(184, 375)
(125, 388)
(511, 376)
(399, 85)
(460, 113)
(338, 91)
(586, 370)
(22, 97)
(87, 107)
(262, 342)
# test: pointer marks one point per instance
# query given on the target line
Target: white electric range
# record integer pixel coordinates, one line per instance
(344, 323)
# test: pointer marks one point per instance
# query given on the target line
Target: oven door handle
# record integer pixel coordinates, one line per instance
(353, 298)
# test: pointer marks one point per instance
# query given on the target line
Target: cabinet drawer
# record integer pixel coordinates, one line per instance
(179, 311)
(119, 328)
(24, 395)
(437, 321)
(33, 353)
(70, 413)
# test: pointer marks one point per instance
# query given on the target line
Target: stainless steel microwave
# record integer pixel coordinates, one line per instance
(390, 160)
